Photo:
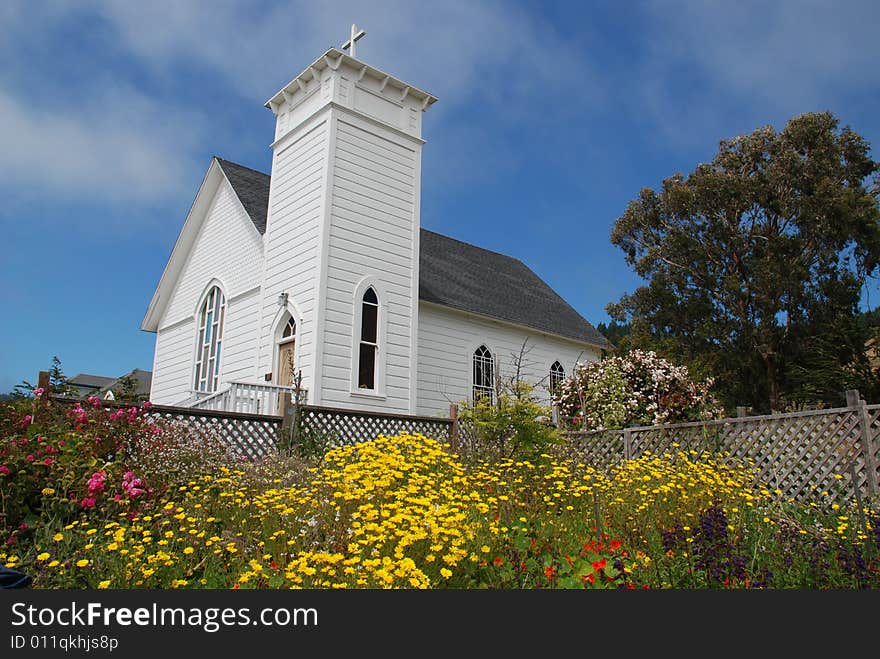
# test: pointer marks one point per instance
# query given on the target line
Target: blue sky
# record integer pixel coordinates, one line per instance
(552, 116)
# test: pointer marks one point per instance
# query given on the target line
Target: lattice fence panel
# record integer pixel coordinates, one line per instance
(601, 449)
(341, 427)
(800, 454)
(250, 437)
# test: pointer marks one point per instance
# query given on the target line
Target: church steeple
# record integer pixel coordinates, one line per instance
(343, 219)
(338, 77)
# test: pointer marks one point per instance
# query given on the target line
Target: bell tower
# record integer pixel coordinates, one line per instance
(343, 230)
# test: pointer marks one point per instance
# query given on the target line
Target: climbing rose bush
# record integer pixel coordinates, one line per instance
(636, 389)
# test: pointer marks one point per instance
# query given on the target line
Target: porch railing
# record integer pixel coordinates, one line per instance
(248, 398)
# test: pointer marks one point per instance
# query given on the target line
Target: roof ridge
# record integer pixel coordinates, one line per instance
(222, 160)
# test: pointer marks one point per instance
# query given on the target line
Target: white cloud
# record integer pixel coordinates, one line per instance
(113, 147)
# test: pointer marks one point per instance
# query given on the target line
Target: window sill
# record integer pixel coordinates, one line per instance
(367, 393)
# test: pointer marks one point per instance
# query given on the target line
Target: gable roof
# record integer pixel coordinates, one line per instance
(456, 274)
(252, 188)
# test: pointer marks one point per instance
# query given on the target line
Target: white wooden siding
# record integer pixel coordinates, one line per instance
(173, 363)
(373, 218)
(293, 242)
(447, 340)
(227, 249)
(239, 349)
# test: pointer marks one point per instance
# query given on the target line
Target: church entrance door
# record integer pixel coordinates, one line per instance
(285, 371)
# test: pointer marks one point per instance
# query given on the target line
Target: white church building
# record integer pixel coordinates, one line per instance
(321, 269)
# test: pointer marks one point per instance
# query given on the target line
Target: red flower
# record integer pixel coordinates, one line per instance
(589, 578)
(549, 571)
(47, 461)
(615, 545)
(497, 561)
(598, 565)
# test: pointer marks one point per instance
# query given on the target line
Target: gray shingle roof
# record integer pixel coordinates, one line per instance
(456, 274)
(252, 188)
(89, 381)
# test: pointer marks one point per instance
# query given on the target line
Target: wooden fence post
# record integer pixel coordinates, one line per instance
(44, 382)
(627, 444)
(741, 411)
(453, 430)
(852, 398)
(867, 450)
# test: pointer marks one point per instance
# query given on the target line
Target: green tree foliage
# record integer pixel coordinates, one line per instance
(615, 332)
(57, 380)
(126, 389)
(757, 260)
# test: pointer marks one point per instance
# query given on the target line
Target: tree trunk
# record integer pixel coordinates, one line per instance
(772, 381)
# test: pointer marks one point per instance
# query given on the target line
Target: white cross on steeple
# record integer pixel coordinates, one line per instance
(356, 33)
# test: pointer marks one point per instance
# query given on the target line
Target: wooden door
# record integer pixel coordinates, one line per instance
(285, 370)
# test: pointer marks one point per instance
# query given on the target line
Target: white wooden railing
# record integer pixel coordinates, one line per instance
(247, 397)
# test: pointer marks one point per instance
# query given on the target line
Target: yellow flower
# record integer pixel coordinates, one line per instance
(445, 573)
(54, 564)
(485, 549)
(188, 551)
(58, 537)
(103, 585)
(82, 562)
(47, 491)
(43, 556)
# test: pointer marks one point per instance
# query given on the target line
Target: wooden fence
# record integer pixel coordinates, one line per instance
(255, 436)
(802, 454)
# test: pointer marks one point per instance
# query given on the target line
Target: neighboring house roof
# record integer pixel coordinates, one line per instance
(143, 381)
(456, 274)
(87, 381)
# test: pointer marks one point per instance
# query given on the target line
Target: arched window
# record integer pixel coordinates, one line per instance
(289, 330)
(484, 374)
(369, 344)
(211, 318)
(557, 375)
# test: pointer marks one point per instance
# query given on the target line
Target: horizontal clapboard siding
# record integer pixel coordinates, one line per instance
(447, 340)
(227, 249)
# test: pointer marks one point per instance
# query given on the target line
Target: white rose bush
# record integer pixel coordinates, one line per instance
(639, 388)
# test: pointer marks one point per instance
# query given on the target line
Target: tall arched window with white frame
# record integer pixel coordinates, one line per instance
(557, 375)
(484, 374)
(211, 317)
(369, 343)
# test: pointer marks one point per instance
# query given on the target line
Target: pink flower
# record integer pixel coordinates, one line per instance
(4, 470)
(94, 400)
(61, 443)
(38, 392)
(96, 483)
(88, 502)
(146, 405)
(27, 419)
(23, 526)
(48, 461)
(29, 457)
